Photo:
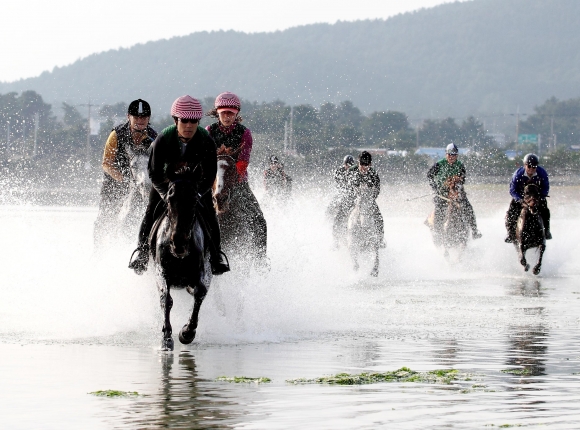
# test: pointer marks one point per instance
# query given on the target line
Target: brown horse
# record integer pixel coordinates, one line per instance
(242, 234)
(530, 228)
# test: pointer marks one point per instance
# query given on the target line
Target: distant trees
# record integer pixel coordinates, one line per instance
(563, 117)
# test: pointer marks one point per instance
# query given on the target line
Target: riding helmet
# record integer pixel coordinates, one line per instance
(452, 149)
(227, 102)
(274, 160)
(365, 158)
(186, 107)
(139, 108)
(531, 160)
(349, 160)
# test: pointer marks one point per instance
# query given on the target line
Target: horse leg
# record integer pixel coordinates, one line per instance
(375, 271)
(522, 254)
(538, 266)
(166, 305)
(187, 333)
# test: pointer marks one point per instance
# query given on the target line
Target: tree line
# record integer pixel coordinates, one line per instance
(32, 132)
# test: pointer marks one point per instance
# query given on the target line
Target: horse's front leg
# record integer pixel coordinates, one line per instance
(166, 304)
(522, 255)
(538, 266)
(187, 333)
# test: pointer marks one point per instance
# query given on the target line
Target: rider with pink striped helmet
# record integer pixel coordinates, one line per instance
(178, 150)
(229, 133)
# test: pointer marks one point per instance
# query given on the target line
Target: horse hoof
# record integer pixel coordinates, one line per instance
(527, 267)
(186, 335)
(536, 270)
(375, 273)
(167, 344)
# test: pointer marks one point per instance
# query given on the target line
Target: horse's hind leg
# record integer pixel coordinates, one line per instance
(538, 266)
(375, 271)
(187, 333)
(166, 305)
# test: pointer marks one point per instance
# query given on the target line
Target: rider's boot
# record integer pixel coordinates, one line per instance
(476, 234)
(139, 264)
(219, 263)
(547, 234)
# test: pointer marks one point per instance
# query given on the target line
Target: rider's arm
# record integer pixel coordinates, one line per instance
(376, 185)
(431, 174)
(156, 167)
(462, 174)
(208, 164)
(244, 157)
(516, 180)
(109, 157)
(545, 190)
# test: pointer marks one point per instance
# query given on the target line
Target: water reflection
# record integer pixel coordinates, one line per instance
(528, 350)
(183, 399)
(526, 288)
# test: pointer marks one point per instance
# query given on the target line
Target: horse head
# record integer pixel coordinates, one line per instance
(531, 197)
(226, 178)
(453, 185)
(138, 161)
(181, 210)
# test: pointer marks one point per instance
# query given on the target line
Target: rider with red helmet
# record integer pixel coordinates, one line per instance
(184, 145)
(229, 132)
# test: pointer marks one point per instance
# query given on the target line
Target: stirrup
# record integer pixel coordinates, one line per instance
(508, 239)
(139, 265)
(219, 267)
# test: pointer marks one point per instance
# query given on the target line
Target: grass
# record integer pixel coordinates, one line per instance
(404, 374)
(522, 372)
(243, 380)
(114, 393)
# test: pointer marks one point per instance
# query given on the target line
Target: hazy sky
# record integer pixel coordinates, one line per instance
(37, 35)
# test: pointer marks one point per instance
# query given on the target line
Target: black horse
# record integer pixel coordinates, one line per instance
(530, 231)
(181, 257)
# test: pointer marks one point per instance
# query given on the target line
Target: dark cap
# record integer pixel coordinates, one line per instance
(365, 159)
(139, 108)
(274, 160)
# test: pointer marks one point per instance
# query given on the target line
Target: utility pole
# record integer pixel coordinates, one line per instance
(517, 125)
(552, 140)
(88, 145)
(417, 135)
(36, 121)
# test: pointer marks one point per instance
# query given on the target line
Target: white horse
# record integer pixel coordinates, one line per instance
(133, 208)
(362, 230)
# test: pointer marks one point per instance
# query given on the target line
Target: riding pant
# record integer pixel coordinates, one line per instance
(513, 213)
(345, 206)
(256, 219)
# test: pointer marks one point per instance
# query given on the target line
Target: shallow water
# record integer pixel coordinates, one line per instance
(73, 321)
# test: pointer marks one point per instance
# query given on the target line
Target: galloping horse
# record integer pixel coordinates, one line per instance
(180, 256)
(238, 235)
(131, 213)
(530, 228)
(362, 230)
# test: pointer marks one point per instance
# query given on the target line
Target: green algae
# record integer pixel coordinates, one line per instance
(243, 380)
(115, 393)
(515, 371)
(404, 374)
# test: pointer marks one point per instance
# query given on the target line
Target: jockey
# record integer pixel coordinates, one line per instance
(276, 182)
(530, 173)
(229, 132)
(184, 144)
(439, 176)
(136, 132)
(356, 176)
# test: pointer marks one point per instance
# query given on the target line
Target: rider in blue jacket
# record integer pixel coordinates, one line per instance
(530, 173)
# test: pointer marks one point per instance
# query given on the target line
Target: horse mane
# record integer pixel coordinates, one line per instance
(224, 150)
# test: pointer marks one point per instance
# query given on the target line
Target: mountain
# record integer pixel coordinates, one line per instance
(475, 57)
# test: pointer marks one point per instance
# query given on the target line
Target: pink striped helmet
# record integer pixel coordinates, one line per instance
(186, 107)
(228, 102)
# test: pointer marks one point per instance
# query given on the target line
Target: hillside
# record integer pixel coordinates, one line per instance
(478, 57)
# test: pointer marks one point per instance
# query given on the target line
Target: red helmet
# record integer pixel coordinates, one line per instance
(227, 102)
(186, 107)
